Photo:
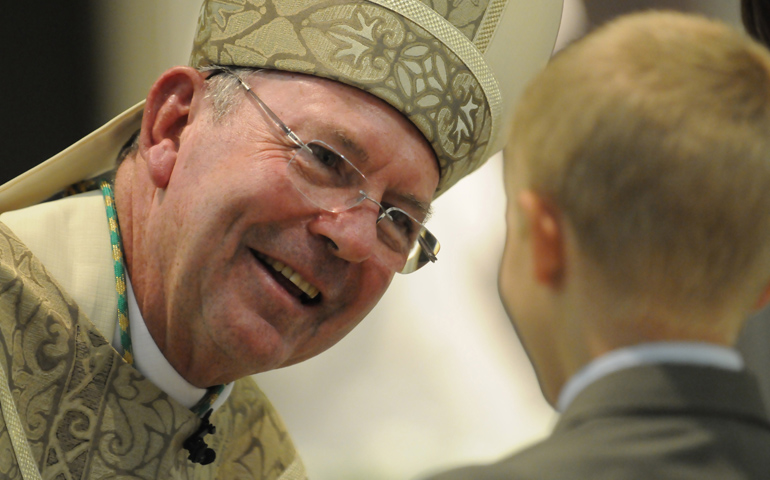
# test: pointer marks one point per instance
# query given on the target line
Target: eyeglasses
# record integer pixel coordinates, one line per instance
(331, 182)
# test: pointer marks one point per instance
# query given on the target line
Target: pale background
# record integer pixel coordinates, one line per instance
(435, 376)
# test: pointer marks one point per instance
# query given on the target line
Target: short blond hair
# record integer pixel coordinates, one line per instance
(652, 136)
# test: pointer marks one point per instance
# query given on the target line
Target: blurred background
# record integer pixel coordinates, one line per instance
(435, 376)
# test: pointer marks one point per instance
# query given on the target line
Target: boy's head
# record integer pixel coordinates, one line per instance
(638, 182)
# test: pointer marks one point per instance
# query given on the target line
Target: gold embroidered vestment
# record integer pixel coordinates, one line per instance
(89, 415)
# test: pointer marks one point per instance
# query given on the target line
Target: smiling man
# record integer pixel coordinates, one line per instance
(264, 198)
(244, 288)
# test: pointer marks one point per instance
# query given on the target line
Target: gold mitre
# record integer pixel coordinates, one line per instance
(453, 67)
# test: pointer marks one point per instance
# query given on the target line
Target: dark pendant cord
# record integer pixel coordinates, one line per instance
(199, 450)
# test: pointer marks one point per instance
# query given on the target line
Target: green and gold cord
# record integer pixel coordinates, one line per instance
(205, 403)
(120, 271)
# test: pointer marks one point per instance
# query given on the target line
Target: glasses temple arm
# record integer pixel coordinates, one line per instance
(426, 248)
(271, 115)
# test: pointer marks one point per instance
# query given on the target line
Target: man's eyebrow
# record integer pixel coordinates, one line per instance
(425, 209)
(353, 147)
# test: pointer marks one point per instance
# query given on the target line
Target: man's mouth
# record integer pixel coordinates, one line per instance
(304, 290)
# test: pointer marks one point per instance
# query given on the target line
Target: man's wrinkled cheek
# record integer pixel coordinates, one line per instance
(379, 284)
(360, 297)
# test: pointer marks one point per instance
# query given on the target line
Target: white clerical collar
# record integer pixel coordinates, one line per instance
(682, 353)
(150, 362)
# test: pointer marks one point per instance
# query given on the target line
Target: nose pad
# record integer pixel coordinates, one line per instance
(351, 234)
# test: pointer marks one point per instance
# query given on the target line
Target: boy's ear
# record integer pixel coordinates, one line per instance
(763, 300)
(546, 238)
(168, 110)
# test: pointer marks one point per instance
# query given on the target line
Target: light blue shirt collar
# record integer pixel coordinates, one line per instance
(683, 353)
(150, 361)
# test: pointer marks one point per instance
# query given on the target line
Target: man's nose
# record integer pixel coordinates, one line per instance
(352, 233)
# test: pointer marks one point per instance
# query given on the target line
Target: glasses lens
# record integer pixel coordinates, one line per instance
(411, 243)
(398, 231)
(423, 251)
(325, 177)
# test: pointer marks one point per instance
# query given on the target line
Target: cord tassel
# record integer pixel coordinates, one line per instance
(199, 450)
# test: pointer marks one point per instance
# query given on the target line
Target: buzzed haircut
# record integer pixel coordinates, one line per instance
(652, 136)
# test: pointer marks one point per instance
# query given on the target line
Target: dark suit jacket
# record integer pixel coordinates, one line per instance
(650, 422)
(753, 344)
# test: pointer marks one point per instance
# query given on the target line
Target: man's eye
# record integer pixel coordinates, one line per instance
(328, 157)
(402, 221)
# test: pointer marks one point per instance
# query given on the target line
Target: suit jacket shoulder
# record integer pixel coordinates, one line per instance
(650, 422)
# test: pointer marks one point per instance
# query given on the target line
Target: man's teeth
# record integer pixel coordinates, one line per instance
(293, 276)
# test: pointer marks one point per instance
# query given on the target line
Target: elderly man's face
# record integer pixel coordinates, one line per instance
(229, 215)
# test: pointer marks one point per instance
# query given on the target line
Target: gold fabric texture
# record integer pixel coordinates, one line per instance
(89, 415)
(18, 437)
(418, 57)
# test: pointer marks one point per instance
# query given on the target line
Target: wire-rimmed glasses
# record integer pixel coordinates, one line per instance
(331, 182)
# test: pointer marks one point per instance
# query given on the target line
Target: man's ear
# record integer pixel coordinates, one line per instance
(168, 110)
(546, 238)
